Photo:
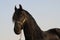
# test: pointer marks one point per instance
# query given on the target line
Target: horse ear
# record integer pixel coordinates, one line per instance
(20, 7)
(15, 8)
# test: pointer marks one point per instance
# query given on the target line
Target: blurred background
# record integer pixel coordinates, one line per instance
(45, 12)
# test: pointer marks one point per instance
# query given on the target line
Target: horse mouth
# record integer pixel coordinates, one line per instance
(17, 31)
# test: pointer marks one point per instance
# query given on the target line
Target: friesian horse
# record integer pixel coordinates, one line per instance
(23, 20)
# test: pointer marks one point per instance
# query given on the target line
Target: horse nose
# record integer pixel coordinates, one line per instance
(16, 30)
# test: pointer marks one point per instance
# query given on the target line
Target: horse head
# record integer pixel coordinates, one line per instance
(19, 18)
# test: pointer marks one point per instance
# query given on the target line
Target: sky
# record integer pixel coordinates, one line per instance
(45, 12)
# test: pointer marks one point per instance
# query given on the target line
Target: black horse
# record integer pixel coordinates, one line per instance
(23, 20)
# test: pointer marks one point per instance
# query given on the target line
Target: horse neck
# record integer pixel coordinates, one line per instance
(32, 30)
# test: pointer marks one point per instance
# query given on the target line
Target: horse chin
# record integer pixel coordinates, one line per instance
(17, 33)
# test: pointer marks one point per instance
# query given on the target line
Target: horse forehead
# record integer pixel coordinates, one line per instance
(23, 12)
